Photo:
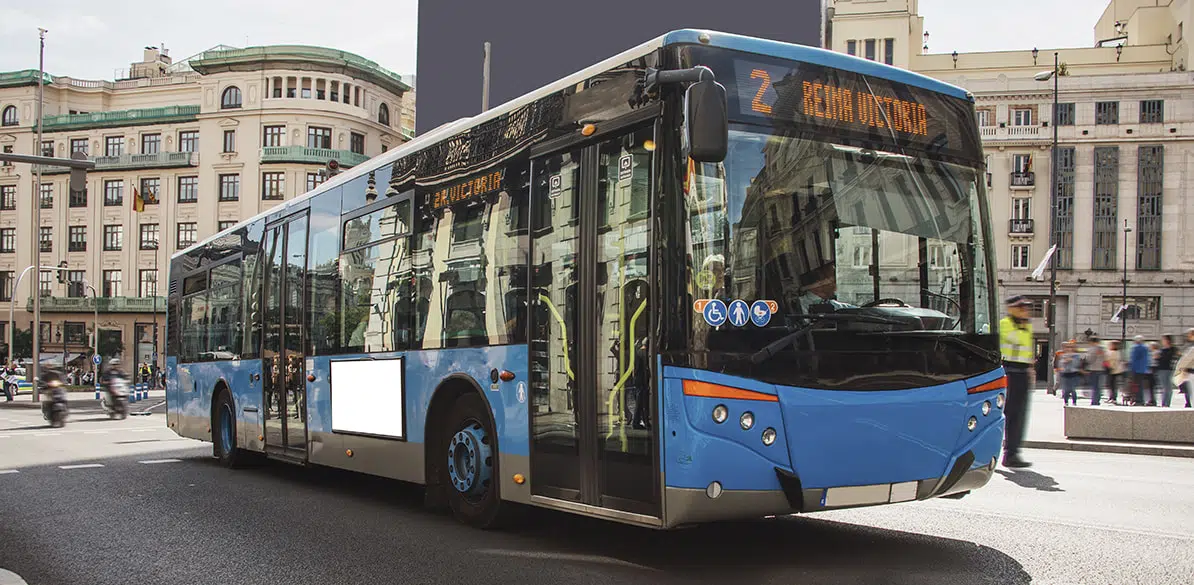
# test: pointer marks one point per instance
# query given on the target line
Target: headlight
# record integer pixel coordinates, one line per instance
(720, 413)
(768, 436)
(747, 420)
(986, 408)
(999, 400)
(972, 423)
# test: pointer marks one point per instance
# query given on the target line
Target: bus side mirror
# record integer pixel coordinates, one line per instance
(706, 121)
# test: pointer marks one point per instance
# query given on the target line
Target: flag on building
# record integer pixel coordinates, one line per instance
(138, 202)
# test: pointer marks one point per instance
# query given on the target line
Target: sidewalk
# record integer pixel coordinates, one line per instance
(1046, 430)
(80, 400)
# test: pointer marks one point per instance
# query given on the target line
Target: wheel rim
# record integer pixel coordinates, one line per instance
(470, 461)
(226, 428)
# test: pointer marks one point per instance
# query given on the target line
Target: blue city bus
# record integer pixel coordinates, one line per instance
(710, 278)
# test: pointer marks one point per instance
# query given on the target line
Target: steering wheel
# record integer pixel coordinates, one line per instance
(886, 301)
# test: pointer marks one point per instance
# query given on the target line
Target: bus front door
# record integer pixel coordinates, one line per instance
(593, 431)
(284, 375)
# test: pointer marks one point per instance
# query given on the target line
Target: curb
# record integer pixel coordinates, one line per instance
(1095, 447)
(90, 403)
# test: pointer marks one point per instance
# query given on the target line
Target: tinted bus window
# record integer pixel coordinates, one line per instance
(224, 307)
(323, 307)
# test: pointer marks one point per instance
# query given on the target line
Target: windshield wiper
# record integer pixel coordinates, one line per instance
(948, 336)
(816, 319)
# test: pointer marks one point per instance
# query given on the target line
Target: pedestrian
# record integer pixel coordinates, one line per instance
(1163, 373)
(1183, 370)
(1115, 369)
(1096, 368)
(1015, 345)
(1072, 369)
(1140, 362)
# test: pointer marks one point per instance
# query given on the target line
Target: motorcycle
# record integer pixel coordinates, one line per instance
(55, 409)
(115, 399)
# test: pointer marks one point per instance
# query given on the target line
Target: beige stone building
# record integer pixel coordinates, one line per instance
(1125, 125)
(207, 141)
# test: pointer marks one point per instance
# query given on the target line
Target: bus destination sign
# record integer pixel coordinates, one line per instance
(489, 182)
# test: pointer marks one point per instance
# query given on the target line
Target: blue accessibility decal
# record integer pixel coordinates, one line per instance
(715, 313)
(760, 313)
(739, 313)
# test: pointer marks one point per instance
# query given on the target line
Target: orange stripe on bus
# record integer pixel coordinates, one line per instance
(707, 390)
(997, 384)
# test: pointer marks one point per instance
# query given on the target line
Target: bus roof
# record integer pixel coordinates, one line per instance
(685, 36)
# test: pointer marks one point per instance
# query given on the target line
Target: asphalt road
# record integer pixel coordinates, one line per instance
(127, 502)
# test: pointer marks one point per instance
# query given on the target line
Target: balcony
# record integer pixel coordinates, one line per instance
(1023, 180)
(124, 162)
(106, 304)
(120, 118)
(302, 154)
(1020, 227)
(1015, 133)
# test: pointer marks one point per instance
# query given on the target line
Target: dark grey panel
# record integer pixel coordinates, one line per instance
(535, 42)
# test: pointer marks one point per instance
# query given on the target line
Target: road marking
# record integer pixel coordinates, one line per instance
(81, 466)
(150, 430)
(62, 431)
(8, 471)
(94, 432)
(152, 461)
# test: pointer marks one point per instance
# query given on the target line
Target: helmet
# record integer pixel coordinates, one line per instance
(113, 363)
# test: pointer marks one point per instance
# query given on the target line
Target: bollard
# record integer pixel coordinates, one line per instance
(133, 394)
(97, 391)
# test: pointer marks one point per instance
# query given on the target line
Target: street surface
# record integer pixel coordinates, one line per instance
(128, 502)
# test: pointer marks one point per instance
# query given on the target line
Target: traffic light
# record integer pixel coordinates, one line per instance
(62, 273)
(333, 168)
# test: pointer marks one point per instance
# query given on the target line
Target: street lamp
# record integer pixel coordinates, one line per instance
(1123, 311)
(1052, 315)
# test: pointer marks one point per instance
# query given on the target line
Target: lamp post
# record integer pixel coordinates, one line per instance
(1123, 311)
(1052, 314)
(35, 208)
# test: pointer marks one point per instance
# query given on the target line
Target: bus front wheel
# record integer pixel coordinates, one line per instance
(223, 426)
(469, 471)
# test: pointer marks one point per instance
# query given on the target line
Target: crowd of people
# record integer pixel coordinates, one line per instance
(1143, 374)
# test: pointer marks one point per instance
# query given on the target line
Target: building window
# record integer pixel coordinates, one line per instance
(1107, 113)
(45, 286)
(1138, 308)
(74, 333)
(1021, 163)
(319, 137)
(10, 116)
(273, 186)
(188, 234)
(150, 190)
(1106, 212)
(149, 283)
(8, 240)
(889, 51)
(77, 198)
(111, 283)
(78, 145)
(188, 141)
(1152, 111)
(1063, 220)
(6, 284)
(314, 180)
(1150, 182)
(149, 236)
(188, 189)
(230, 141)
(1021, 256)
(7, 149)
(229, 187)
(1064, 115)
(45, 237)
(74, 283)
(113, 238)
(1021, 208)
(273, 135)
(984, 117)
(47, 148)
(47, 196)
(852, 47)
(356, 143)
(8, 197)
(383, 115)
(151, 143)
(230, 98)
(1021, 117)
(226, 224)
(77, 238)
(870, 49)
(113, 193)
(113, 145)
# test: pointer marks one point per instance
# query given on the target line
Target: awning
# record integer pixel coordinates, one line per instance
(56, 359)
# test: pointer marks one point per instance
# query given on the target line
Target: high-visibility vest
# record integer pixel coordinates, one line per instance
(1015, 343)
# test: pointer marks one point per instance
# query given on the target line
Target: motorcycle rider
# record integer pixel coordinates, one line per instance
(116, 404)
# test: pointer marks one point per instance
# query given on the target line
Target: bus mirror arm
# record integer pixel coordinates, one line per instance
(655, 77)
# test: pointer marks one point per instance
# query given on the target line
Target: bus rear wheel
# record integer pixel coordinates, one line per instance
(469, 472)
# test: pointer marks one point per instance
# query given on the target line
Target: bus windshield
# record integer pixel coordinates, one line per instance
(813, 226)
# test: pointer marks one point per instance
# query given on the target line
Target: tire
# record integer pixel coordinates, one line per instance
(470, 474)
(223, 436)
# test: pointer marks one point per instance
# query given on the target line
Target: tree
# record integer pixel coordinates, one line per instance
(22, 344)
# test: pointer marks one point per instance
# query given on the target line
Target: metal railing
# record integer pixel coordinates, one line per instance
(120, 118)
(1027, 179)
(302, 154)
(157, 160)
(1020, 226)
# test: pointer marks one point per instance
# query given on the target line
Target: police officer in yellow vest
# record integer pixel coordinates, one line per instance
(1015, 344)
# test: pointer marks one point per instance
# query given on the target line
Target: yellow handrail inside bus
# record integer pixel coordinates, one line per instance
(563, 335)
(617, 389)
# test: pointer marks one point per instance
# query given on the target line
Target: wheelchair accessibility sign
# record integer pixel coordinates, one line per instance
(715, 313)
